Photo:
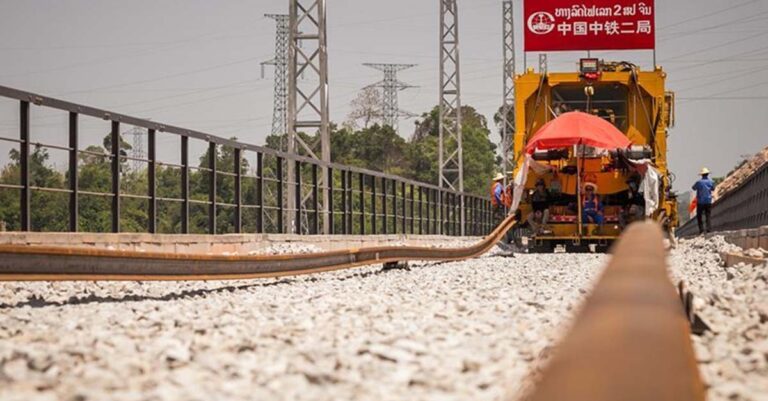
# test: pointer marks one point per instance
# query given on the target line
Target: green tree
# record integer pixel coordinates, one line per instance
(479, 151)
(49, 209)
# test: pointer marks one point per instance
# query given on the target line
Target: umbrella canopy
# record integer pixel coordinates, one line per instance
(575, 128)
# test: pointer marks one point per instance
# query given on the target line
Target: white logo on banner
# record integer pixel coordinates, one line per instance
(541, 23)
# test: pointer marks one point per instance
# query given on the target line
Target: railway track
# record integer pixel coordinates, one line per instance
(630, 340)
(38, 263)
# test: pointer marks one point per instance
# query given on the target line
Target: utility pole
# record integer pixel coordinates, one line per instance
(390, 85)
(451, 155)
(508, 106)
(280, 62)
(308, 102)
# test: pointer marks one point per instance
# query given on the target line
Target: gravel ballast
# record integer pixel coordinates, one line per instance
(475, 330)
(733, 301)
(463, 330)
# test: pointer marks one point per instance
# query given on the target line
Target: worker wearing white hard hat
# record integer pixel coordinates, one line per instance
(499, 198)
(704, 188)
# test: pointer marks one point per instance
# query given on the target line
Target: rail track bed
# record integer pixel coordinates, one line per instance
(458, 330)
(480, 329)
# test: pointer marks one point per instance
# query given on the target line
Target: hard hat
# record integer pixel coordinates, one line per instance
(498, 177)
(591, 184)
(704, 171)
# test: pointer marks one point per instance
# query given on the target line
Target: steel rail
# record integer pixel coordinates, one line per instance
(631, 341)
(42, 263)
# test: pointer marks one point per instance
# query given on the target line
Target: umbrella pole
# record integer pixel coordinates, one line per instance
(578, 191)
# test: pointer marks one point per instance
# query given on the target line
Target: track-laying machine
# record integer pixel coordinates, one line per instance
(631, 183)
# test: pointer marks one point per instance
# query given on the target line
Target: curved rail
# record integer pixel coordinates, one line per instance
(38, 263)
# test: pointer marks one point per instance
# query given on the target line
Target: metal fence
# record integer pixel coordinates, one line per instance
(744, 207)
(235, 188)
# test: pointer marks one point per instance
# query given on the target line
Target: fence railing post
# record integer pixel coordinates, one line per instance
(384, 211)
(152, 180)
(185, 185)
(315, 229)
(116, 139)
(280, 192)
(74, 207)
(260, 192)
(238, 167)
(373, 205)
(344, 195)
(329, 196)
(212, 156)
(297, 199)
(361, 179)
(413, 209)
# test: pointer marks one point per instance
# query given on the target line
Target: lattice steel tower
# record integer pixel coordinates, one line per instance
(137, 148)
(451, 154)
(280, 62)
(508, 105)
(308, 102)
(390, 86)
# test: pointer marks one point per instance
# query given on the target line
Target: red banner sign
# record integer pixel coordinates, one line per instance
(552, 25)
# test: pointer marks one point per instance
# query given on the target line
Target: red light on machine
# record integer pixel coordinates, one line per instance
(590, 68)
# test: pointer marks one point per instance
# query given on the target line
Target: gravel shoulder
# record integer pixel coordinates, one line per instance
(451, 331)
(733, 357)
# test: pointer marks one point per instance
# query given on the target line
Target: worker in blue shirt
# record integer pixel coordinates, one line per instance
(498, 200)
(704, 188)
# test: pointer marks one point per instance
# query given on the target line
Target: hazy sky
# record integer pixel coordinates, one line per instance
(196, 64)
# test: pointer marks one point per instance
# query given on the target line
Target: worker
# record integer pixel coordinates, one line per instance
(704, 188)
(498, 197)
(539, 215)
(635, 207)
(592, 208)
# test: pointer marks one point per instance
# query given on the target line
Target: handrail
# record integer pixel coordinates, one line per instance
(41, 100)
(306, 181)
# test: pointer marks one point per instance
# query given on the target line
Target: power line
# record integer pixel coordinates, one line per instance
(717, 12)
(724, 98)
(175, 75)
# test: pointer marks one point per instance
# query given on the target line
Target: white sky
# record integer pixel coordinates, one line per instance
(196, 64)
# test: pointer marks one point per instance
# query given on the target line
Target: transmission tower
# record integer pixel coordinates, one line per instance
(280, 62)
(390, 85)
(137, 148)
(308, 102)
(508, 106)
(451, 155)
